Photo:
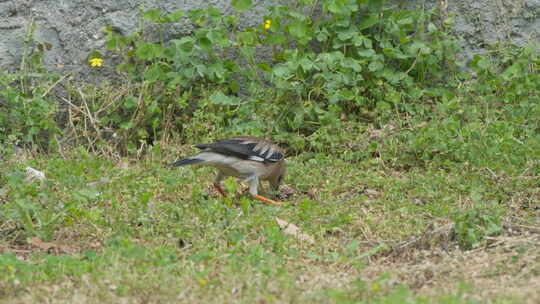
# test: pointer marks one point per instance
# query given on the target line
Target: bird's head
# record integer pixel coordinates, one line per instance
(278, 175)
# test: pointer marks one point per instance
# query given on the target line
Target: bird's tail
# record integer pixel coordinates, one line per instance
(186, 161)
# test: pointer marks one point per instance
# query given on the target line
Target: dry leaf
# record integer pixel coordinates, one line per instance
(41, 244)
(36, 242)
(32, 174)
(372, 193)
(122, 165)
(286, 191)
(292, 229)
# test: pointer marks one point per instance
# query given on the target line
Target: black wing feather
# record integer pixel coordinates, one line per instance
(241, 148)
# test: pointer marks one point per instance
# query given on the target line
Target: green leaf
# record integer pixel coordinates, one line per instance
(282, 71)
(241, 5)
(175, 16)
(298, 29)
(154, 73)
(247, 38)
(130, 103)
(233, 86)
(347, 34)
(419, 47)
(512, 71)
(392, 76)
(375, 66)
(306, 64)
(375, 6)
(153, 15)
(112, 44)
(219, 98)
(219, 38)
(347, 94)
(338, 7)
(205, 44)
(247, 51)
(126, 125)
(394, 53)
(264, 66)
(275, 39)
(351, 63)
(217, 70)
(185, 44)
(148, 51)
(322, 35)
(479, 63)
(368, 53)
(368, 21)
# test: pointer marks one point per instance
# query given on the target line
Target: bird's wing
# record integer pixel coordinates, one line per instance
(246, 148)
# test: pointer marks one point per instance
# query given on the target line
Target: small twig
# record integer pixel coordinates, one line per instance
(492, 173)
(525, 227)
(74, 106)
(54, 85)
(413, 64)
(113, 101)
(417, 239)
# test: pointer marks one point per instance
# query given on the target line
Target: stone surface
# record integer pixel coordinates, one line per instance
(74, 27)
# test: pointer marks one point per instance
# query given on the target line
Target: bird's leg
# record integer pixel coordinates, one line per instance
(253, 190)
(217, 184)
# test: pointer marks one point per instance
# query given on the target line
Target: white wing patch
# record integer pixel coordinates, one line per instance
(256, 158)
(271, 151)
(247, 142)
(264, 149)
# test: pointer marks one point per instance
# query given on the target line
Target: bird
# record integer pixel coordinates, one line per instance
(249, 158)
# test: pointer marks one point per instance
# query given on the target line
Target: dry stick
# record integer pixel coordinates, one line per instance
(531, 229)
(417, 239)
(86, 133)
(137, 110)
(70, 115)
(74, 131)
(413, 64)
(54, 84)
(60, 150)
(113, 101)
(72, 106)
(492, 173)
(92, 122)
(92, 119)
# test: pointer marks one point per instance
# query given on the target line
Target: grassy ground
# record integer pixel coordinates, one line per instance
(98, 231)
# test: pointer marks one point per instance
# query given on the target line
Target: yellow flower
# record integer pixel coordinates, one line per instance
(375, 287)
(267, 24)
(95, 62)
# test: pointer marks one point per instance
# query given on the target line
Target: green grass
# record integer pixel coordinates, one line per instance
(418, 180)
(98, 230)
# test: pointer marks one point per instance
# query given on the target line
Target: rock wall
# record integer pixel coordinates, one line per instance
(74, 27)
(483, 23)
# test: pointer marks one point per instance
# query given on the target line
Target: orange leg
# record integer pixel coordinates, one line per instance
(219, 189)
(266, 200)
